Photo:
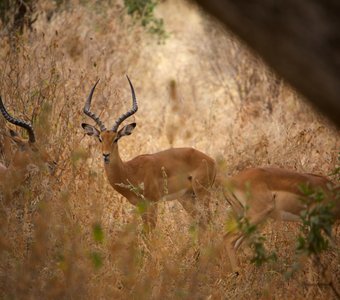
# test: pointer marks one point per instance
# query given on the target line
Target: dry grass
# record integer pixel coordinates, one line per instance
(200, 89)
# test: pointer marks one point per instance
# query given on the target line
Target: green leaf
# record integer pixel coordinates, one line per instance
(98, 233)
(96, 259)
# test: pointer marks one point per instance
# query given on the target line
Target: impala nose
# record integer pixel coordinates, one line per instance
(106, 158)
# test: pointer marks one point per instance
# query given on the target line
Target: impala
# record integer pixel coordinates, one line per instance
(185, 174)
(260, 193)
(28, 152)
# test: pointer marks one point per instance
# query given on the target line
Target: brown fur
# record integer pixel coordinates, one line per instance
(183, 173)
(270, 192)
(27, 153)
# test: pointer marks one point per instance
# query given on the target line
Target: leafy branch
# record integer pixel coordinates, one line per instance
(143, 12)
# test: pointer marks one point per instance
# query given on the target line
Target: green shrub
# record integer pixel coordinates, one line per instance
(317, 221)
(143, 12)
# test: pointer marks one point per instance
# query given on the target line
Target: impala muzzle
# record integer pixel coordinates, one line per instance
(106, 158)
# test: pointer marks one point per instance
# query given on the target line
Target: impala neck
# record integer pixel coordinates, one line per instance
(115, 169)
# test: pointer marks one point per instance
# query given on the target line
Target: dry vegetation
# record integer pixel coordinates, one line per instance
(71, 235)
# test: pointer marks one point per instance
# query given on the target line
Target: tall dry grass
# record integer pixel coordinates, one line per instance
(71, 235)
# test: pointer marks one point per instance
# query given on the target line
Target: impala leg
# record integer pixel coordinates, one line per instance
(198, 212)
(230, 242)
(201, 181)
(149, 217)
(202, 202)
(195, 209)
(188, 203)
(233, 241)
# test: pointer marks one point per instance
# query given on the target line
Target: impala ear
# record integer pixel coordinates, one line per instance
(90, 130)
(15, 138)
(13, 133)
(126, 130)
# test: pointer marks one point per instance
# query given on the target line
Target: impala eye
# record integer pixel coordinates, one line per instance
(100, 139)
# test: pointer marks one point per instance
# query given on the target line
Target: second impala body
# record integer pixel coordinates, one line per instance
(28, 152)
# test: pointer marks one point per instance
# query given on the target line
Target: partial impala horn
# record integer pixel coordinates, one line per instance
(130, 112)
(18, 122)
(91, 114)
